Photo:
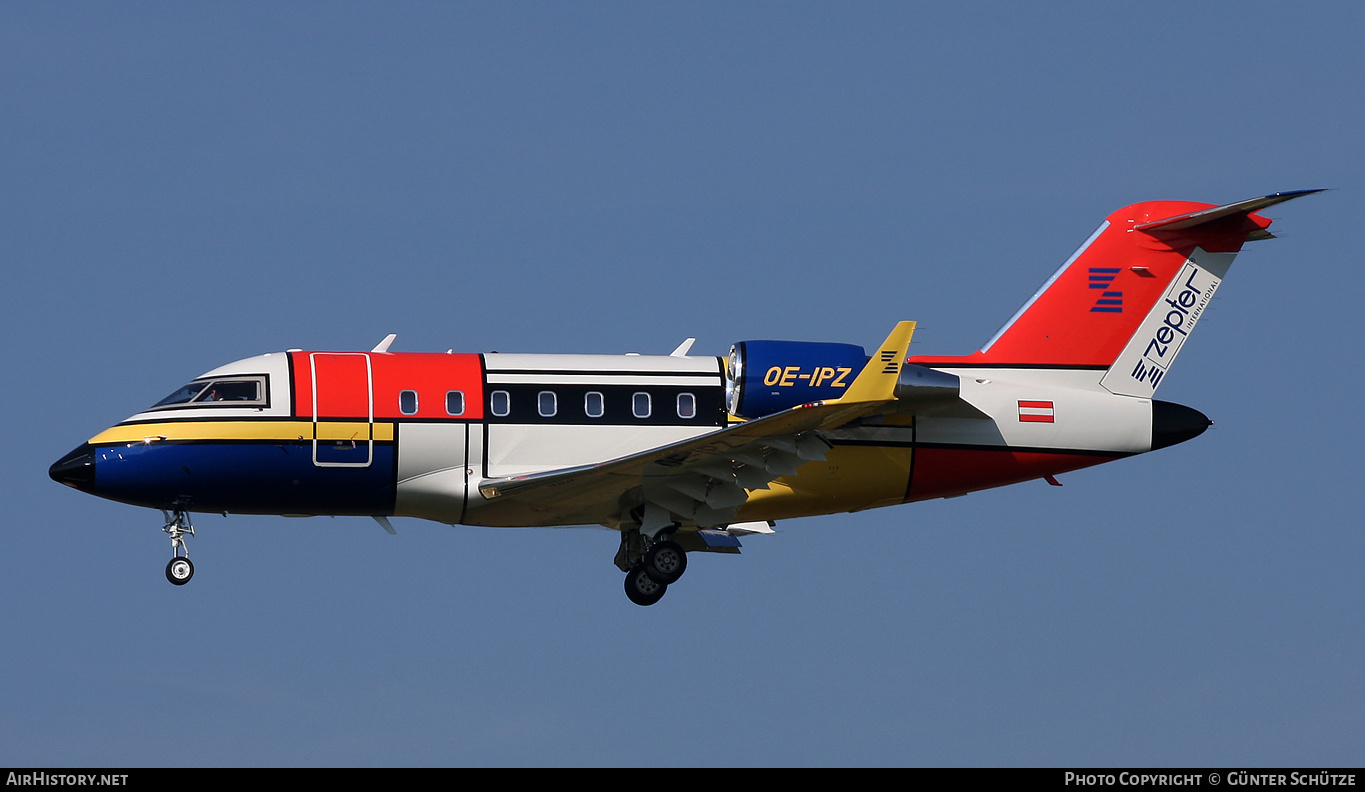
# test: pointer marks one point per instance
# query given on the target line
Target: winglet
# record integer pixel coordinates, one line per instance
(877, 382)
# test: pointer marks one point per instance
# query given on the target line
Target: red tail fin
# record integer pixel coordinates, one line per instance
(1089, 311)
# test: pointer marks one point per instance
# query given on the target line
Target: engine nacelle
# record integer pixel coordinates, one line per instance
(765, 377)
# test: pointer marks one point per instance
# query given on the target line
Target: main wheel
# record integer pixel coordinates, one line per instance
(179, 570)
(665, 562)
(641, 589)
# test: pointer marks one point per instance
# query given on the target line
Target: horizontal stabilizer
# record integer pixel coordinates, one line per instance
(1205, 216)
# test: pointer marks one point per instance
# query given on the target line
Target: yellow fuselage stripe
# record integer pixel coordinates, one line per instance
(293, 431)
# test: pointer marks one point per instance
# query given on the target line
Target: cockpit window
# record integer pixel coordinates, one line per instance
(183, 394)
(235, 391)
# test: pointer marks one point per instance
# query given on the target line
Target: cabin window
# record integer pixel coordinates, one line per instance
(407, 402)
(501, 403)
(594, 405)
(639, 405)
(455, 402)
(687, 405)
(546, 404)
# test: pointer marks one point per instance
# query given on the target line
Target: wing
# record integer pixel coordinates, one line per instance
(702, 481)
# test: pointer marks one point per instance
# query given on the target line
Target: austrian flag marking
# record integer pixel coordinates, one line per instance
(1035, 411)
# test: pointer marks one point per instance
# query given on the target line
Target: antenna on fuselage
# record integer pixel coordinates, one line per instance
(383, 346)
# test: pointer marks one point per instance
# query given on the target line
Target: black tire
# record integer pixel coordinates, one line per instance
(179, 570)
(641, 589)
(665, 562)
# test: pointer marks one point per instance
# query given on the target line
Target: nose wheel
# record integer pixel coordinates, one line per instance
(179, 570)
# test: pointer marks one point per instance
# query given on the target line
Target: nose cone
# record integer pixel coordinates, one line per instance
(1175, 423)
(76, 469)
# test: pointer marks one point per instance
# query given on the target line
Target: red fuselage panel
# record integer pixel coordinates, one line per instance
(345, 381)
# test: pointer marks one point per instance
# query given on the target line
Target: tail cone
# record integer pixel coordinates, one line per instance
(1175, 423)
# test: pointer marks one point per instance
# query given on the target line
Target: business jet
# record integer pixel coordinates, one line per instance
(683, 453)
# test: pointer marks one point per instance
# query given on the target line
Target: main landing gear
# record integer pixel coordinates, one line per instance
(179, 570)
(651, 566)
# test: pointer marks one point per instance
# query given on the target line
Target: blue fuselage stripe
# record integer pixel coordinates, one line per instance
(243, 477)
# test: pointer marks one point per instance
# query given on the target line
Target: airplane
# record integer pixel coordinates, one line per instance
(685, 454)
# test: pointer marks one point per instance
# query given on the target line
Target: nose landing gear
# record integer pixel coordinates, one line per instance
(179, 570)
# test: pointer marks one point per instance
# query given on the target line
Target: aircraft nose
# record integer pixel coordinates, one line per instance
(76, 469)
(1175, 423)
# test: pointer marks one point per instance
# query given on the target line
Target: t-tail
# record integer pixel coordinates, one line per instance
(1128, 298)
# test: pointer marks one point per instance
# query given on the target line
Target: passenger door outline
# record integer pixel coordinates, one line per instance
(342, 399)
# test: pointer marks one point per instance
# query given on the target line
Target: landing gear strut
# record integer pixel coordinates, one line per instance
(651, 565)
(179, 570)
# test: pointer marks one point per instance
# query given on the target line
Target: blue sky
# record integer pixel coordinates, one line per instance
(187, 184)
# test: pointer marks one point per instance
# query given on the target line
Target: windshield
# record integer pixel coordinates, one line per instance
(183, 394)
(240, 391)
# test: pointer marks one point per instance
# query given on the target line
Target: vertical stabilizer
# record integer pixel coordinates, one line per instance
(1127, 299)
(1151, 350)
